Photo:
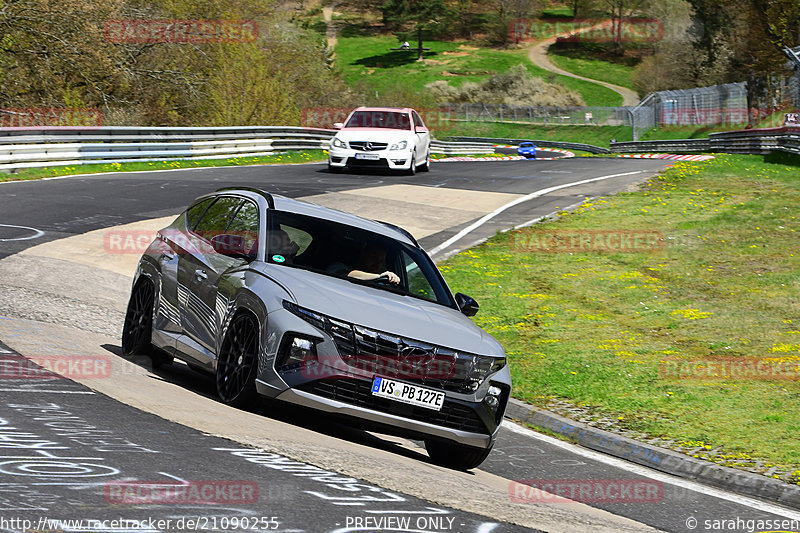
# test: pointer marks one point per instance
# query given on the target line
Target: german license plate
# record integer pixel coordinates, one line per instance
(372, 157)
(407, 393)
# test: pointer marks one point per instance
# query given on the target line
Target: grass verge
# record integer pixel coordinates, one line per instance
(51, 172)
(596, 69)
(597, 332)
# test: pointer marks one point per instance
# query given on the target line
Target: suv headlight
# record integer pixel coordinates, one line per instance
(481, 367)
(399, 146)
(338, 143)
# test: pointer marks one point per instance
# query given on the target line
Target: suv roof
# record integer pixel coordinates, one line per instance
(282, 203)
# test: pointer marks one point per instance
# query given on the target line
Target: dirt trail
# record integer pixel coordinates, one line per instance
(538, 55)
(330, 32)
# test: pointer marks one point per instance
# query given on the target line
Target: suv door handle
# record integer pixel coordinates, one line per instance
(200, 275)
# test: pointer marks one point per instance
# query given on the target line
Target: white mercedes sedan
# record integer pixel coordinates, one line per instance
(393, 138)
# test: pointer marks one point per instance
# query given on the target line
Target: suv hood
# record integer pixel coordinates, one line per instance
(382, 310)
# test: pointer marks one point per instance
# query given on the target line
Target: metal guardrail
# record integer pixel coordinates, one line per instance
(49, 146)
(678, 146)
(466, 148)
(755, 141)
(545, 144)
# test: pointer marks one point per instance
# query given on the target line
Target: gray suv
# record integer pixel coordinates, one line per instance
(294, 301)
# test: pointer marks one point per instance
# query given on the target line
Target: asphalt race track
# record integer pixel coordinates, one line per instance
(72, 450)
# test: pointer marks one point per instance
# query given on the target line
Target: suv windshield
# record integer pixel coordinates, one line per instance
(394, 120)
(337, 250)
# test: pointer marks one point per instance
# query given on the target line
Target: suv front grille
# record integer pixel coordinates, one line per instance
(367, 146)
(392, 356)
(414, 361)
(359, 392)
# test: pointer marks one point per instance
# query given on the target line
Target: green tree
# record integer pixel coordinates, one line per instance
(618, 11)
(782, 21)
(506, 12)
(713, 24)
(416, 19)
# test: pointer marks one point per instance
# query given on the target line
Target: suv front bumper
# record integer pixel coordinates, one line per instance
(391, 422)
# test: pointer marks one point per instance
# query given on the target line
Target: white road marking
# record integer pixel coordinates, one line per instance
(454, 251)
(535, 220)
(541, 192)
(36, 233)
(652, 474)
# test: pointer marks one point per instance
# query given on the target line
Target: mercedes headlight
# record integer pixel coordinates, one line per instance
(338, 143)
(399, 146)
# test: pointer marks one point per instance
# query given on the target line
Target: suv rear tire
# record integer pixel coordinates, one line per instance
(138, 327)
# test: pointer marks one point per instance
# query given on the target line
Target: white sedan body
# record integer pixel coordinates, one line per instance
(381, 138)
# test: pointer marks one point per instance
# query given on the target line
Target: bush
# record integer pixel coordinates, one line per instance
(513, 87)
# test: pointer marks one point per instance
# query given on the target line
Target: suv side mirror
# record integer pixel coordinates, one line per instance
(230, 245)
(467, 305)
(338, 125)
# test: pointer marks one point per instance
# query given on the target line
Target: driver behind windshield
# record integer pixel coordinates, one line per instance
(368, 266)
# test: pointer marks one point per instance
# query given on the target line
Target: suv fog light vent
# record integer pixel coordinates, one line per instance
(492, 399)
(296, 351)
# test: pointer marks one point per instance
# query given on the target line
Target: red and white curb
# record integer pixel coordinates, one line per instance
(566, 154)
(470, 158)
(672, 157)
